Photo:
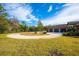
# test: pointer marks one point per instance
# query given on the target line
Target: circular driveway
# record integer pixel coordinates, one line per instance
(20, 36)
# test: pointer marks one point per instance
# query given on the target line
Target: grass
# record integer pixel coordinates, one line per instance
(68, 46)
(33, 33)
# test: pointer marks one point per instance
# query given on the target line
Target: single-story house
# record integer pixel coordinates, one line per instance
(62, 27)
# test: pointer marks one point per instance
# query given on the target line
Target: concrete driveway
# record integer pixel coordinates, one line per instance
(20, 36)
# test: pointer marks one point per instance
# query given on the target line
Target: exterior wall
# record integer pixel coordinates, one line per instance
(57, 28)
(63, 27)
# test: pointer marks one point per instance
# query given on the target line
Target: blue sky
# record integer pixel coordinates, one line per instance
(48, 13)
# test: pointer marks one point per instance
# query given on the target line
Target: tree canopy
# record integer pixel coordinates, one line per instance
(40, 26)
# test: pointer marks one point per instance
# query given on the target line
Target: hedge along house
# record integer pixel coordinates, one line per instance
(63, 27)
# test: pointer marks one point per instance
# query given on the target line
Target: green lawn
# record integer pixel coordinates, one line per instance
(42, 47)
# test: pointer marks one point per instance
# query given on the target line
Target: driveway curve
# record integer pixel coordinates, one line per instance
(20, 36)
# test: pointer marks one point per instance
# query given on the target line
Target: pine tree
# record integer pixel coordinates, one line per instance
(40, 26)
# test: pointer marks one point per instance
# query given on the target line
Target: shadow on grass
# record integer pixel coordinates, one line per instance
(55, 52)
(71, 36)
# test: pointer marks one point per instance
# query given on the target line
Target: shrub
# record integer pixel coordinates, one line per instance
(76, 33)
(71, 33)
(44, 32)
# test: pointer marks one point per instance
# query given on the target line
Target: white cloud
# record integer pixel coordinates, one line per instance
(23, 13)
(33, 17)
(50, 8)
(69, 13)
